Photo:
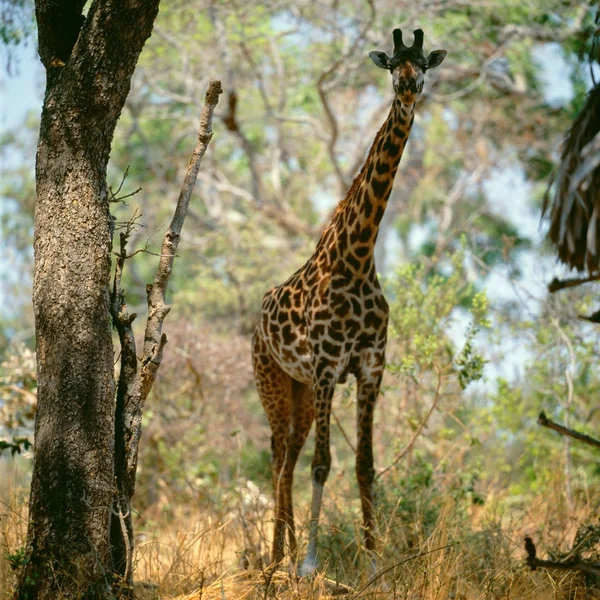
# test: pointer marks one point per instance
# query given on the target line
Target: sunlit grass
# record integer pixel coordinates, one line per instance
(221, 551)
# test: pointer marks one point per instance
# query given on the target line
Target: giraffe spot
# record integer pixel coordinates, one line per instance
(372, 320)
(323, 315)
(303, 347)
(284, 300)
(351, 218)
(370, 169)
(356, 306)
(361, 251)
(381, 303)
(343, 238)
(274, 329)
(365, 235)
(331, 349)
(399, 133)
(365, 340)
(379, 145)
(369, 303)
(296, 318)
(319, 372)
(264, 359)
(338, 282)
(352, 327)
(388, 125)
(335, 335)
(382, 167)
(288, 335)
(282, 317)
(317, 349)
(378, 215)
(343, 309)
(379, 187)
(393, 149)
(317, 331)
(367, 205)
(333, 254)
(297, 299)
(353, 262)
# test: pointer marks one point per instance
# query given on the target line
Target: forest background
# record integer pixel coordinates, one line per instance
(477, 345)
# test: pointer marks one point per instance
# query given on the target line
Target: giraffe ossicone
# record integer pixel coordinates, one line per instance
(330, 318)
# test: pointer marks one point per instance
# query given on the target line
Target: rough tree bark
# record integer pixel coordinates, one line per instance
(89, 62)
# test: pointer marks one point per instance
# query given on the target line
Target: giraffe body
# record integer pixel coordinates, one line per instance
(329, 320)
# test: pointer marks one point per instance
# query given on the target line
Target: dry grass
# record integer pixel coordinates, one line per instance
(203, 532)
(221, 552)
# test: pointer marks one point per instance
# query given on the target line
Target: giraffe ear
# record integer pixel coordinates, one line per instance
(435, 58)
(380, 59)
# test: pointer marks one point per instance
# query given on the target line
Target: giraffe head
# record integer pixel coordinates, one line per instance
(408, 65)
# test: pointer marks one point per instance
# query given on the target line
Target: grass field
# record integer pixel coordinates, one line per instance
(439, 548)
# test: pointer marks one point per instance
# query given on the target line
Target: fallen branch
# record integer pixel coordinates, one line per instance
(582, 437)
(569, 565)
(135, 384)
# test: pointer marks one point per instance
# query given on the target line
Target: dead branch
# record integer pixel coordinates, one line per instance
(134, 385)
(582, 437)
(560, 284)
(154, 339)
(569, 565)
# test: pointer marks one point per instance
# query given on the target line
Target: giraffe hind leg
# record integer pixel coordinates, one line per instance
(303, 412)
(275, 391)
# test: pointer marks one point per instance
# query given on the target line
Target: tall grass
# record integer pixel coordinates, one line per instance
(435, 547)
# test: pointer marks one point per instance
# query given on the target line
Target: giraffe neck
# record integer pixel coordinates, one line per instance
(356, 223)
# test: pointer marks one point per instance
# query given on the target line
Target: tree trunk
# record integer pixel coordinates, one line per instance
(89, 63)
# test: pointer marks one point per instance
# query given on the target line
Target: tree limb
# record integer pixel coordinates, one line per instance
(560, 284)
(135, 384)
(582, 437)
(569, 565)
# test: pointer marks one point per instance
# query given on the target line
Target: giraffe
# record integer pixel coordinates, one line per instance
(329, 320)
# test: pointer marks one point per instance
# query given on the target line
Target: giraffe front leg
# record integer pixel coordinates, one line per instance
(321, 464)
(368, 390)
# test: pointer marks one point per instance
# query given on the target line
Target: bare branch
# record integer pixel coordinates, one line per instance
(134, 385)
(154, 339)
(582, 437)
(560, 284)
(570, 565)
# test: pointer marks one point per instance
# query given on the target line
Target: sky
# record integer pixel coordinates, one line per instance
(23, 90)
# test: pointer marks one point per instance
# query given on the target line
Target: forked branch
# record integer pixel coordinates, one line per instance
(135, 384)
